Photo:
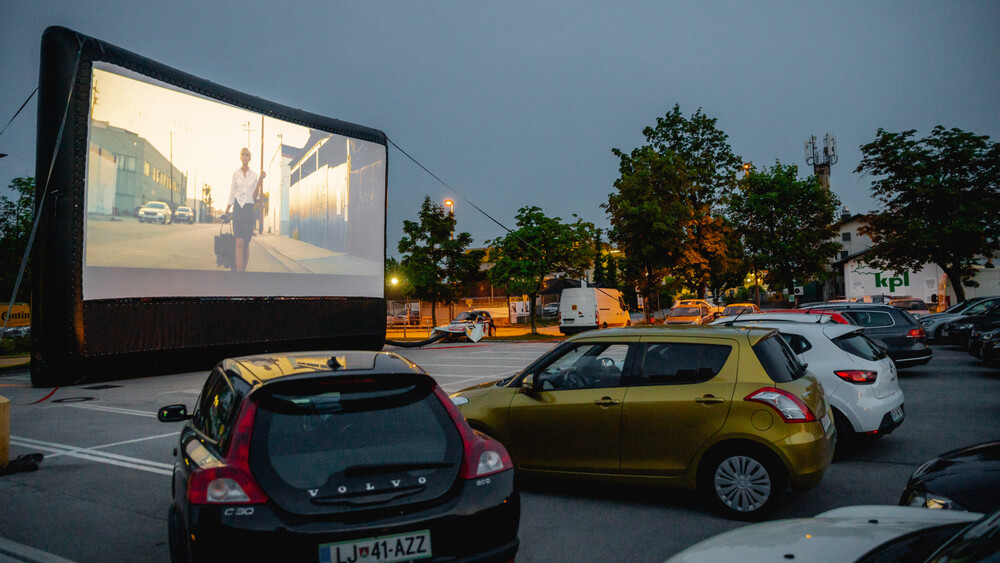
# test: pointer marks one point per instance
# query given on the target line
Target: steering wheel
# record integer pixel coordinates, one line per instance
(573, 380)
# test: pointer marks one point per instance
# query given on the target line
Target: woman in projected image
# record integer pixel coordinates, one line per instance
(244, 191)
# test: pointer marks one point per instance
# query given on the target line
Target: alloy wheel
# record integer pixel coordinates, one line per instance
(742, 483)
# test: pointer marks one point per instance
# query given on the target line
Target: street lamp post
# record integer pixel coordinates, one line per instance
(753, 253)
(451, 211)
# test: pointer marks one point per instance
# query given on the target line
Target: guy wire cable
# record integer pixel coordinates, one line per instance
(45, 188)
(19, 110)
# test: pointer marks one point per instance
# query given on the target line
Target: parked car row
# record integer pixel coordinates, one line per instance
(361, 456)
(160, 212)
(974, 327)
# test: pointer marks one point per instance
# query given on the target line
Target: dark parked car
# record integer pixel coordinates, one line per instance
(991, 352)
(335, 456)
(981, 335)
(959, 331)
(963, 479)
(935, 322)
(893, 329)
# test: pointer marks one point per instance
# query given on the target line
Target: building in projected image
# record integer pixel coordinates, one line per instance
(326, 180)
(125, 171)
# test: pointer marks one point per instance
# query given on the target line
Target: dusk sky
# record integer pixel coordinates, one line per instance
(521, 103)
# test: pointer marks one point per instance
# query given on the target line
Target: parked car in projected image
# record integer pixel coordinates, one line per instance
(184, 214)
(335, 456)
(155, 212)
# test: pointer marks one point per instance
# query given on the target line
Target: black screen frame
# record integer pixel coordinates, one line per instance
(73, 340)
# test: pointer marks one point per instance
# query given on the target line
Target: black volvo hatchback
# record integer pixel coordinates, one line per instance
(335, 457)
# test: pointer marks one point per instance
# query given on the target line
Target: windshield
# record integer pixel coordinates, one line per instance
(466, 316)
(737, 309)
(859, 345)
(188, 209)
(685, 312)
(156, 205)
(778, 360)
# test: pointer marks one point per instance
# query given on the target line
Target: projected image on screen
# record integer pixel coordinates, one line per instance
(187, 196)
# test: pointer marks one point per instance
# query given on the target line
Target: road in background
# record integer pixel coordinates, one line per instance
(103, 490)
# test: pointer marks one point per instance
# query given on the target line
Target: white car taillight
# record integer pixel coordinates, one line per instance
(788, 406)
(857, 376)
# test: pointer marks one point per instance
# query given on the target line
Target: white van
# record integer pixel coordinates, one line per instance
(587, 308)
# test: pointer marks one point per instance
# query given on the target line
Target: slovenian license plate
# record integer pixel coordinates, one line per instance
(827, 423)
(399, 547)
(896, 414)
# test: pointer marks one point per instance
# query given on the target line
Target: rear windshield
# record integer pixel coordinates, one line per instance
(685, 312)
(736, 309)
(872, 319)
(321, 435)
(859, 345)
(780, 363)
(910, 305)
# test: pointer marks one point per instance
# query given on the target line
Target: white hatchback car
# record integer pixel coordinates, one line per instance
(859, 379)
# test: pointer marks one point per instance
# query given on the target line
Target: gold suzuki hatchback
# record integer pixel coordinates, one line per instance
(730, 411)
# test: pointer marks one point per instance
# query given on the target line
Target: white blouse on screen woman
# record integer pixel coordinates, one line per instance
(243, 185)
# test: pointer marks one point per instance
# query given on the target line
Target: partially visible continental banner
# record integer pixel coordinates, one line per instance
(19, 315)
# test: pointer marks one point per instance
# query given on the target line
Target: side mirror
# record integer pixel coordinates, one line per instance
(528, 384)
(173, 413)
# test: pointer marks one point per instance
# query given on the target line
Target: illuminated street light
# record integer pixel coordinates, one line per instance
(451, 211)
(394, 281)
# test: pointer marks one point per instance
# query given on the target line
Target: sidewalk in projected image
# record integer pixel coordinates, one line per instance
(302, 257)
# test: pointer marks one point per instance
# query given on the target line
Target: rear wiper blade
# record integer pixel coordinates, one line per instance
(374, 469)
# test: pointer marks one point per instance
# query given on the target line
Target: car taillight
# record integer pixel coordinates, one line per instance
(789, 407)
(917, 333)
(230, 482)
(861, 377)
(483, 455)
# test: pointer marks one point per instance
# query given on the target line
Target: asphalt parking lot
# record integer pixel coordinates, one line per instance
(103, 489)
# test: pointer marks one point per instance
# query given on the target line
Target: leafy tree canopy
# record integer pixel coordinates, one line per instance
(940, 200)
(648, 214)
(786, 223)
(437, 264)
(16, 218)
(709, 161)
(539, 247)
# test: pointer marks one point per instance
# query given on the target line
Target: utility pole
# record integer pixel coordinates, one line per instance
(822, 161)
(171, 188)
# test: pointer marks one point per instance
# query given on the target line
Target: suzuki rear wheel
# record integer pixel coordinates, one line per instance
(743, 483)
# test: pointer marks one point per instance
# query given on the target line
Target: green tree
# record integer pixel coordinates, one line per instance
(438, 265)
(539, 247)
(786, 224)
(940, 200)
(648, 214)
(16, 218)
(708, 159)
(708, 165)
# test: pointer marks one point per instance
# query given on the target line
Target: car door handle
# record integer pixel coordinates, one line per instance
(709, 400)
(606, 402)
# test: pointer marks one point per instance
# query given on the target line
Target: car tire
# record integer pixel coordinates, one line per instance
(492, 331)
(180, 551)
(745, 482)
(845, 436)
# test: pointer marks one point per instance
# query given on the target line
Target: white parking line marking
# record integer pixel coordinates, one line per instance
(187, 391)
(91, 454)
(21, 552)
(116, 410)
